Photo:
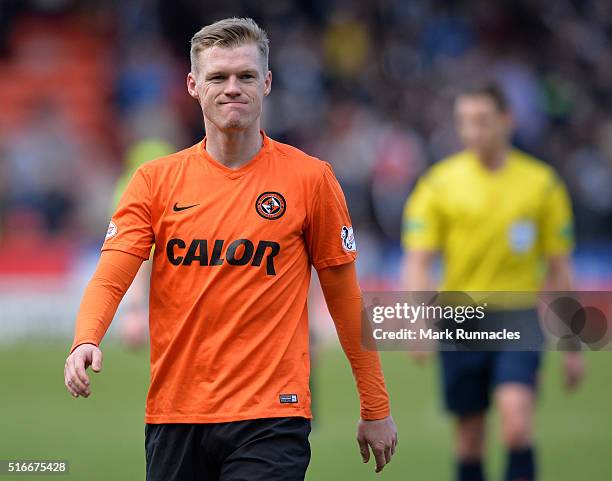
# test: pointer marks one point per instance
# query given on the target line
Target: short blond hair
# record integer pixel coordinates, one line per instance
(229, 33)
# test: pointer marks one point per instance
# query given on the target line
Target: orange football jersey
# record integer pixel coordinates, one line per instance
(230, 276)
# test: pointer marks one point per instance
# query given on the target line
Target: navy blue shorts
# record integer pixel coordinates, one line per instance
(270, 449)
(469, 377)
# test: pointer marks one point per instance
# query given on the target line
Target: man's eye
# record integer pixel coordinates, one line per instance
(248, 76)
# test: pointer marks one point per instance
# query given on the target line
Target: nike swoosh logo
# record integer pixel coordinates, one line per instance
(176, 208)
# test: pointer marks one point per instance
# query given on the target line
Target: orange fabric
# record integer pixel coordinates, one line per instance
(230, 276)
(343, 298)
(114, 274)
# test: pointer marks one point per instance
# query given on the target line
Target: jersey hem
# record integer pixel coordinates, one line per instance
(335, 261)
(375, 415)
(223, 418)
(144, 253)
(558, 251)
(83, 341)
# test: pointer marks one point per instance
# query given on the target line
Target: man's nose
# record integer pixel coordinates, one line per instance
(232, 86)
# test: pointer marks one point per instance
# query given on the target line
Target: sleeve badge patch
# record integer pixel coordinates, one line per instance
(348, 239)
(111, 231)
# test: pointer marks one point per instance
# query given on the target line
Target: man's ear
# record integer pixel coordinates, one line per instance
(191, 85)
(268, 82)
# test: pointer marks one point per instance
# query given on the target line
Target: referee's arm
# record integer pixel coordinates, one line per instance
(421, 236)
(559, 274)
(417, 270)
(558, 243)
(560, 279)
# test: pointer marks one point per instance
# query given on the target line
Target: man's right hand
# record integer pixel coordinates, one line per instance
(75, 375)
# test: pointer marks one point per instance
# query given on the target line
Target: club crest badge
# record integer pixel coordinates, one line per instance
(270, 205)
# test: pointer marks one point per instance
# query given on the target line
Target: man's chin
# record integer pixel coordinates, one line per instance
(236, 125)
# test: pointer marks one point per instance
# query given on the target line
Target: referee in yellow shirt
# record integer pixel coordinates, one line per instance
(501, 221)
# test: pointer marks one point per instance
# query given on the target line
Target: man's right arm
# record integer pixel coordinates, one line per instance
(422, 233)
(416, 270)
(417, 276)
(114, 274)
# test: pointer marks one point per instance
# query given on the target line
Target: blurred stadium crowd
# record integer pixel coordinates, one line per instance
(366, 85)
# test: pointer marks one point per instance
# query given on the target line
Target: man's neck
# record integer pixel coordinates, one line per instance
(495, 159)
(233, 149)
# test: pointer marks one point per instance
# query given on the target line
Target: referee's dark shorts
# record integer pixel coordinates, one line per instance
(469, 374)
(266, 449)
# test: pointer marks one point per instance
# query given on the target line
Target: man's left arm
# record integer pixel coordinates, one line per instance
(558, 243)
(560, 279)
(377, 429)
(332, 250)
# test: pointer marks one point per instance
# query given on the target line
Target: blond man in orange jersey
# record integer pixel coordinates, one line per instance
(237, 219)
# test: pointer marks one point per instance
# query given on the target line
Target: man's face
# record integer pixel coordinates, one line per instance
(481, 125)
(230, 85)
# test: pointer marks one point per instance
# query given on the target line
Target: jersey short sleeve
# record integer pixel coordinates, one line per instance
(422, 223)
(557, 232)
(329, 233)
(130, 229)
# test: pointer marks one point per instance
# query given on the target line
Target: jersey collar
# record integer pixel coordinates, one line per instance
(228, 172)
(497, 173)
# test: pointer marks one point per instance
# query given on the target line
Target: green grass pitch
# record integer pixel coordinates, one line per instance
(103, 436)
